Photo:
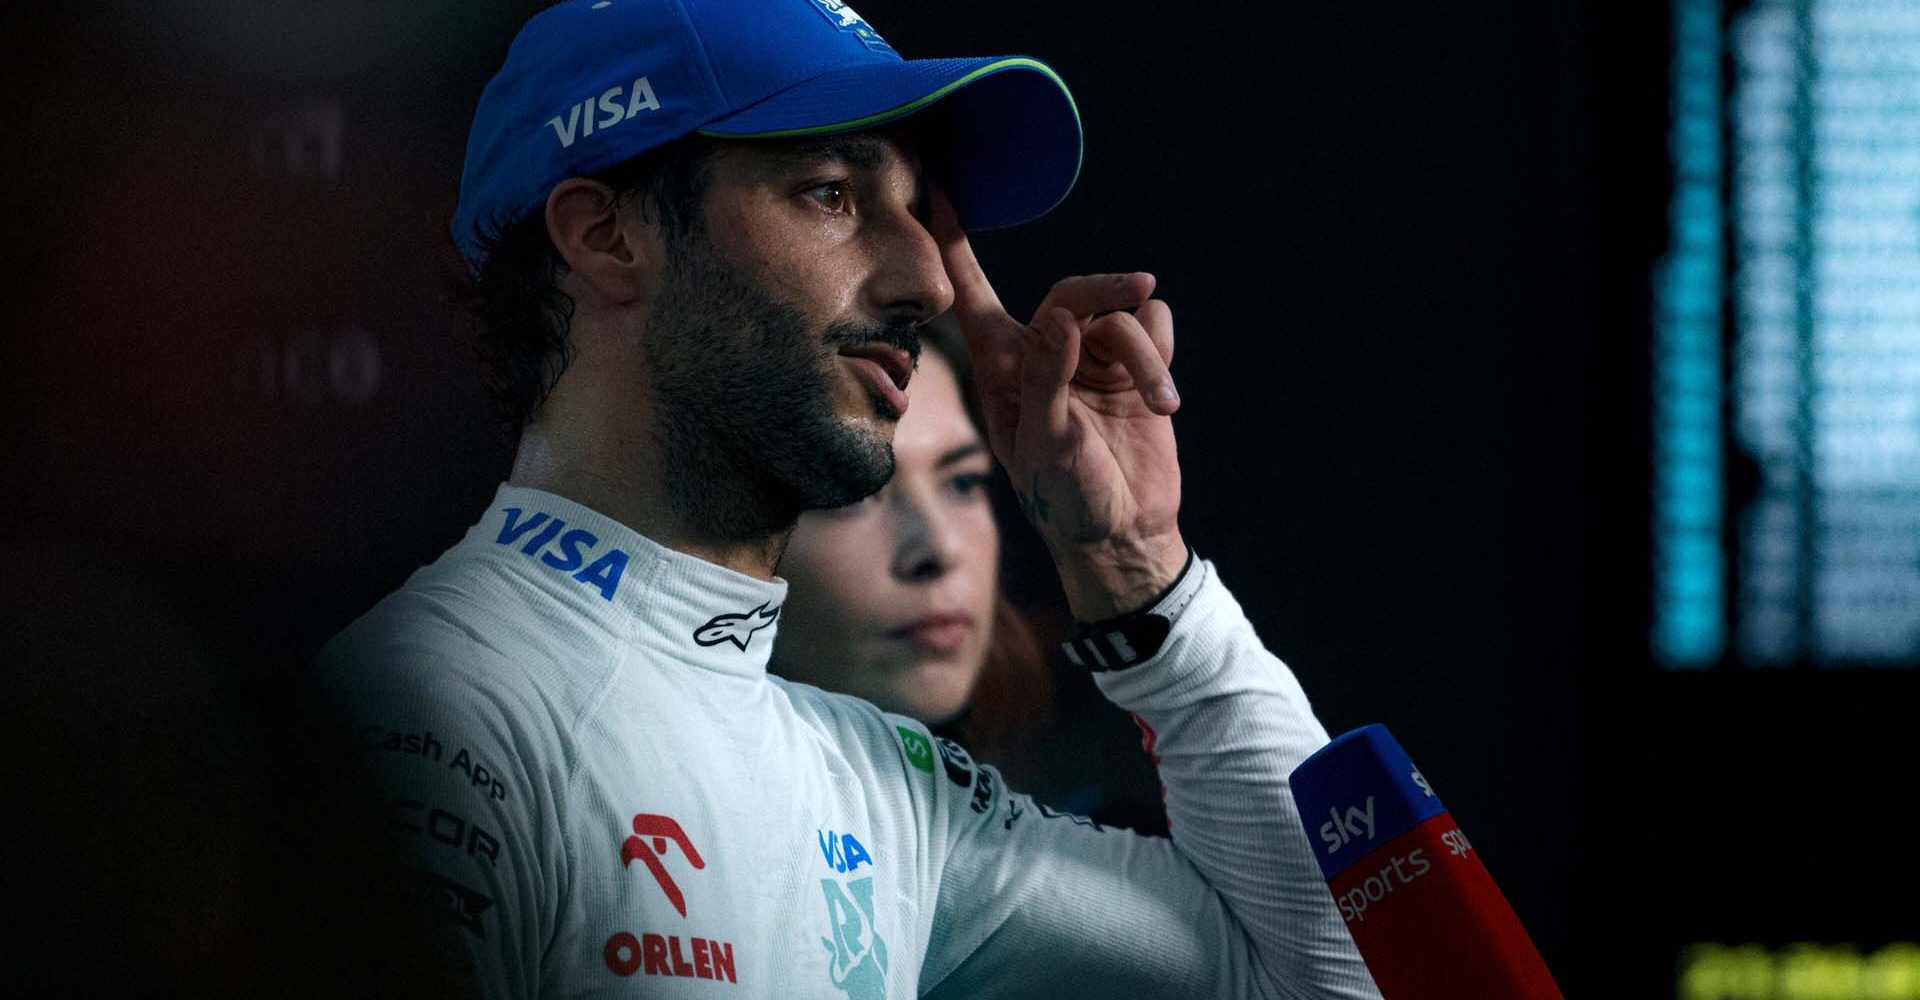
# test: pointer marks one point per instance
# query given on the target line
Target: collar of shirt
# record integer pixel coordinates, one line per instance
(593, 571)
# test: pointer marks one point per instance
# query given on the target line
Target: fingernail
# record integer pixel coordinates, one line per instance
(1164, 393)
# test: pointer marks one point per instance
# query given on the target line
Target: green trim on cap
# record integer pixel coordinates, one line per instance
(912, 106)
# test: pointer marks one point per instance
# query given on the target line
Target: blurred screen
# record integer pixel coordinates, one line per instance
(1787, 338)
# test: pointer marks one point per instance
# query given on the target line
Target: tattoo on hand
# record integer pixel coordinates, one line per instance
(1033, 504)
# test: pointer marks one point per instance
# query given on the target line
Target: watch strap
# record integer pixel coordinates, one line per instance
(1127, 640)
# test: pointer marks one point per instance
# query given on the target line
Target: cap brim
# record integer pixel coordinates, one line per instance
(1012, 144)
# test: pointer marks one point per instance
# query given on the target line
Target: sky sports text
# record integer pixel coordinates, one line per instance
(1341, 830)
(1374, 888)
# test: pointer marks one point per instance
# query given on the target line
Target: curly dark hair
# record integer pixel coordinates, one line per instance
(520, 314)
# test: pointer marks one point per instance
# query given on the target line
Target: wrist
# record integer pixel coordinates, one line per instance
(1118, 577)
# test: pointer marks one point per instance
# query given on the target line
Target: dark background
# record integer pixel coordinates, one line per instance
(1407, 246)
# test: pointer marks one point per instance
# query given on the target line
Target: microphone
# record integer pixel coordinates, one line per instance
(1423, 910)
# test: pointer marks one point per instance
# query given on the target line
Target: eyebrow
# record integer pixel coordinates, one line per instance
(862, 150)
(956, 454)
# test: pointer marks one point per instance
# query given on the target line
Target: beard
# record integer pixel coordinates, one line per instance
(745, 420)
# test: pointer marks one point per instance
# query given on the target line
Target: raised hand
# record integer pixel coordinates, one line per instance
(1079, 406)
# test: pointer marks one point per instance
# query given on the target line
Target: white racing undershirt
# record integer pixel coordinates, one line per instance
(605, 793)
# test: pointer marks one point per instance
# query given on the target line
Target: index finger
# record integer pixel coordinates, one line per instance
(1099, 294)
(974, 300)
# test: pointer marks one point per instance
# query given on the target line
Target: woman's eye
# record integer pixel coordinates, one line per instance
(832, 196)
(969, 483)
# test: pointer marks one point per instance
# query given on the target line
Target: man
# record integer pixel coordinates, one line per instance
(603, 789)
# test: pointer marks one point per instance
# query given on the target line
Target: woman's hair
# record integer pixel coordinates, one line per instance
(1012, 701)
(942, 333)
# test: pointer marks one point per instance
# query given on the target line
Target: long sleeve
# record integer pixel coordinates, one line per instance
(470, 798)
(1038, 903)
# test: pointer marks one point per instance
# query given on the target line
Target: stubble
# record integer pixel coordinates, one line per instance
(746, 424)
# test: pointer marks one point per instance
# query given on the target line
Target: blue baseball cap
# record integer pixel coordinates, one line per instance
(590, 84)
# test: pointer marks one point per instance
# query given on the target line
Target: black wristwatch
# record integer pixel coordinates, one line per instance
(1124, 640)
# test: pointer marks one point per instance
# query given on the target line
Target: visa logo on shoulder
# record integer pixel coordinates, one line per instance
(1341, 830)
(569, 551)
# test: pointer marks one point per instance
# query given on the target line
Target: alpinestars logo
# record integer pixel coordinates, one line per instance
(661, 830)
(736, 629)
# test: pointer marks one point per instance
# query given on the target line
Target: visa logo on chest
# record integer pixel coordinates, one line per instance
(843, 853)
(569, 549)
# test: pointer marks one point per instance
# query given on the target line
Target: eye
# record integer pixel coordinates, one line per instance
(968, 484)
(833, 196)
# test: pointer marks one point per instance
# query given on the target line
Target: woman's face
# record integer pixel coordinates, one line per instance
(892, 598)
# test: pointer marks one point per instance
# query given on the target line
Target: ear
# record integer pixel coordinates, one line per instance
(584, 222)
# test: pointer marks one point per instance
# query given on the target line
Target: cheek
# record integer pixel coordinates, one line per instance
(800, 262)
(825, 292)
(980, 545)
(836, 567)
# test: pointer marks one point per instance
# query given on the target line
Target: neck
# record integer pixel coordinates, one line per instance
(728, 520)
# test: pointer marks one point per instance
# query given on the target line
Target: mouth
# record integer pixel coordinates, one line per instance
(894, 362)
(939, 634)
(886, 370)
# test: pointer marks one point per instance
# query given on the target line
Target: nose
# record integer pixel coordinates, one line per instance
(909, 280)
(925, 548)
